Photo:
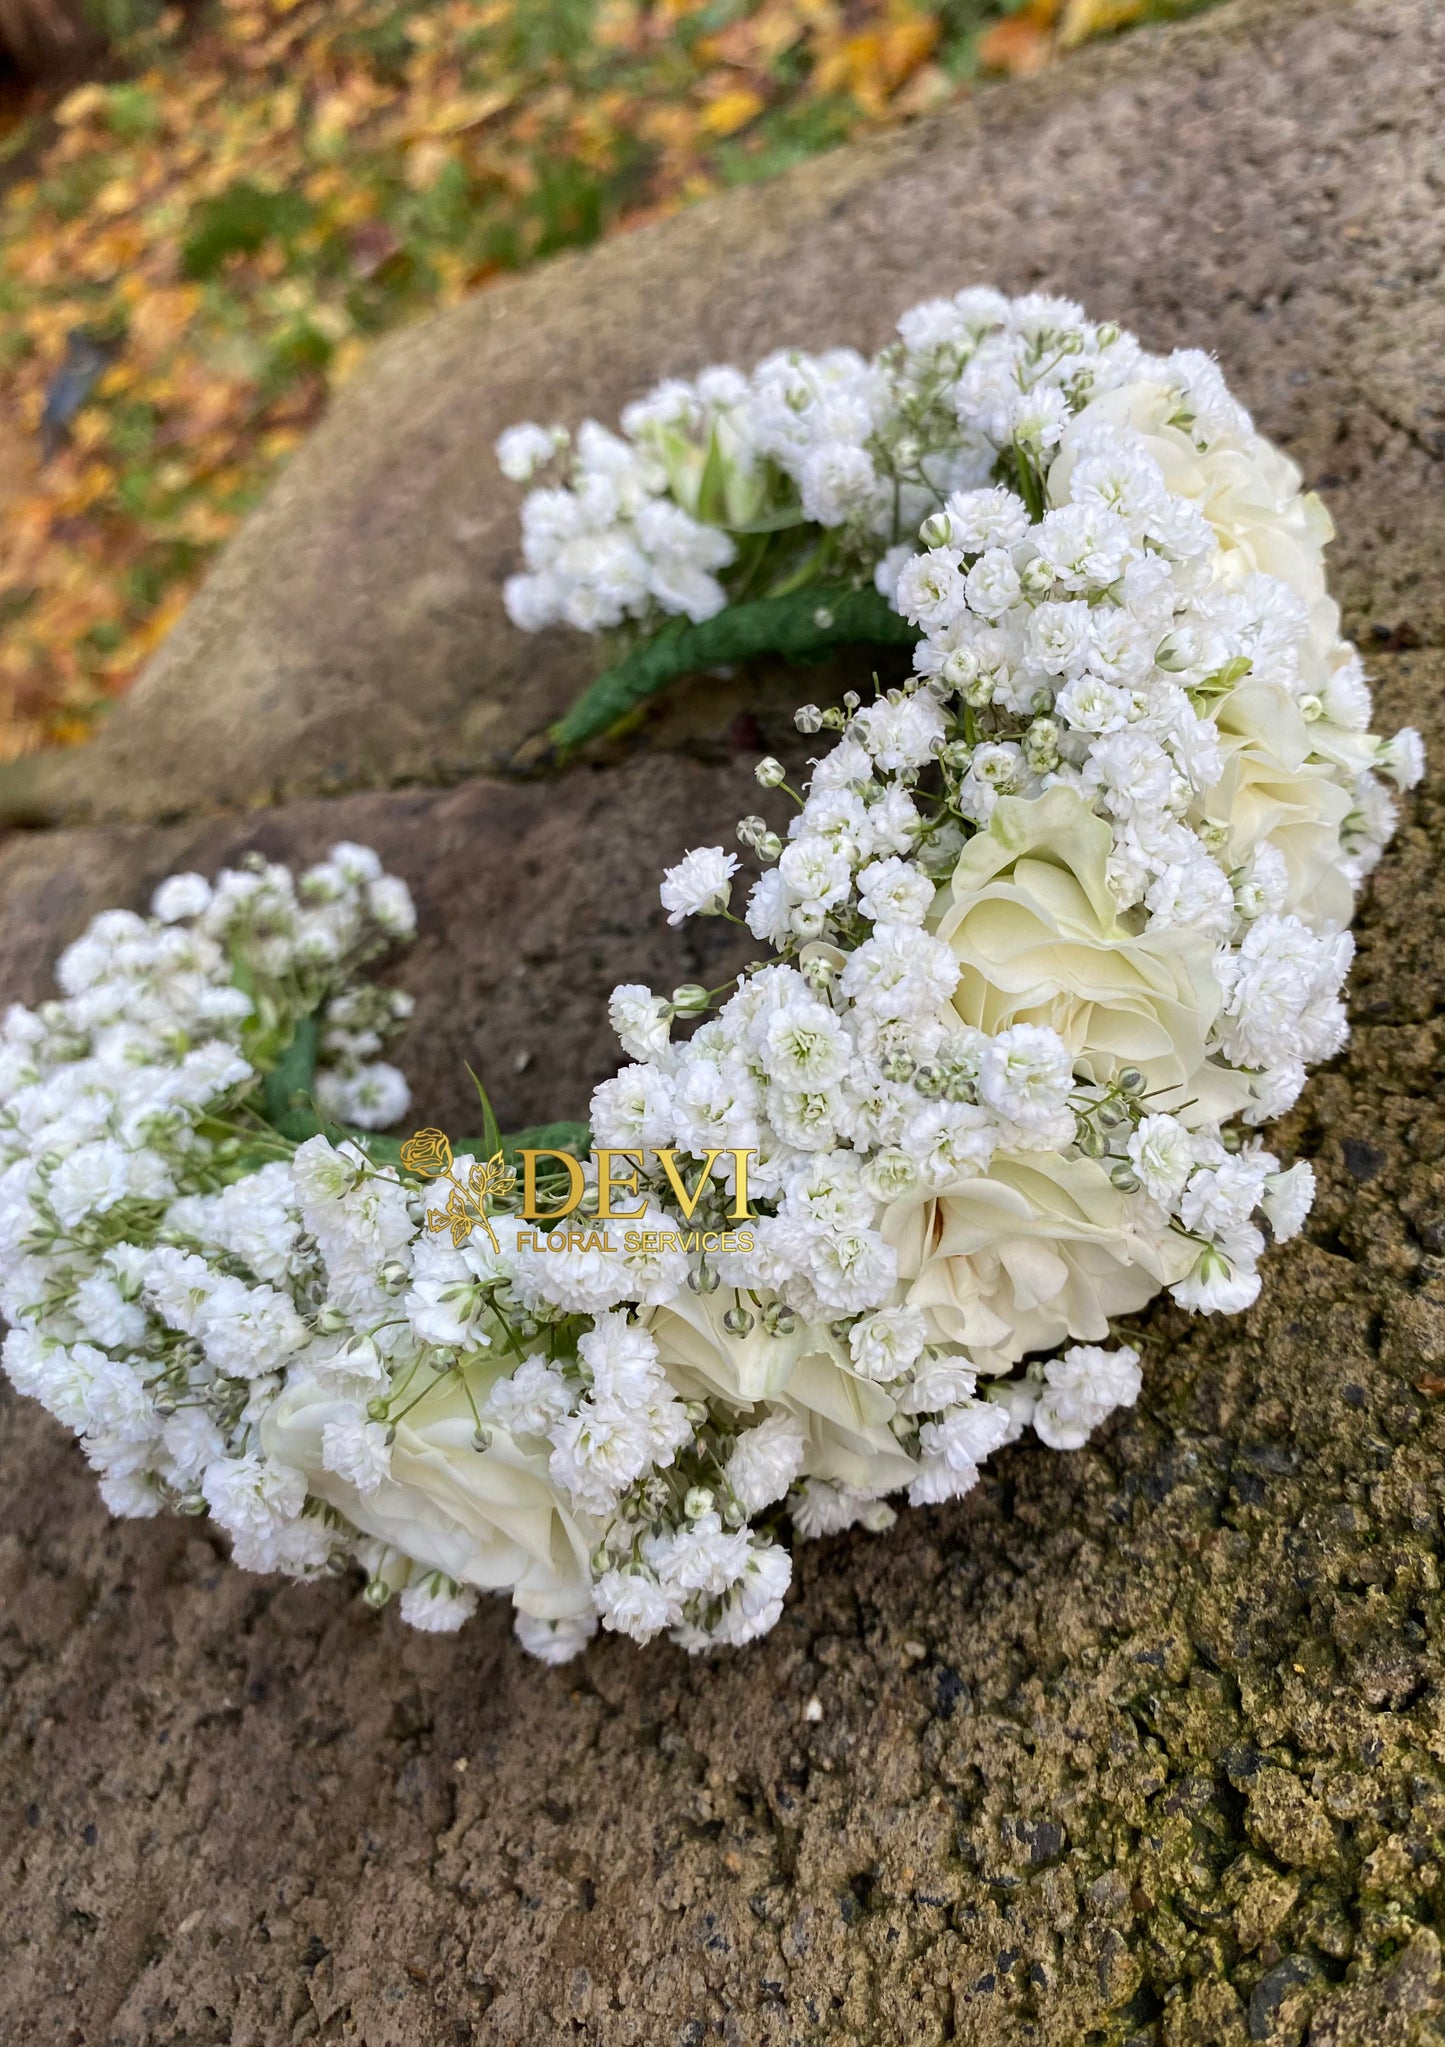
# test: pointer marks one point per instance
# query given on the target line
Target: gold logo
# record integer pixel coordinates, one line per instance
(428, 1154)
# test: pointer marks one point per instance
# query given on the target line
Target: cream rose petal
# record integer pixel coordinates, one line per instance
(1037, 1251)
(490, 1518)
(846, 1417)
(1039, 939)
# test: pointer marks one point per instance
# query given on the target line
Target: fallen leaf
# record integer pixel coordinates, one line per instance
(1023, 44)
(425, 162)
(79, 105)
(906, 44)
(454, 116)
(118, 196)
(732, 110)
(1085, 18)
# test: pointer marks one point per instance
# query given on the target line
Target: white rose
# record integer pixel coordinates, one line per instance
(845, 1418)
(490, 1518)
(1039, 939)
(1245, 487)
(1275, 787)
(1037, 1251)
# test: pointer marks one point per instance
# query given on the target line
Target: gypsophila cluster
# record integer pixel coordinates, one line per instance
(1050, 930)
(717, 487)
(152, 1267)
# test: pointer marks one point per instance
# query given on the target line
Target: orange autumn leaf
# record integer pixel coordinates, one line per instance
(70, 731)
(905, 44)
(344, 365)
(161, 317)
(1023, 43)
(756, 41)
(669, 127)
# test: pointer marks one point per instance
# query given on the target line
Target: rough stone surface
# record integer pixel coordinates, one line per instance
(1142, 1747)
(1228, 184)
(530, 909)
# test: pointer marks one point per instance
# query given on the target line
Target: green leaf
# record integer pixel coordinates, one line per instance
(1226, 677)
(286, 1090)
(242, 977)
(800, 626)
(491, 1131)
(133, 113)
(712, 489)
(288, 1106)
(777, 521)
(573, 1137)
(1030, 480)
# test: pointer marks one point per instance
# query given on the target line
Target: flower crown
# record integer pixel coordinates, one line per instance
(1051, 927)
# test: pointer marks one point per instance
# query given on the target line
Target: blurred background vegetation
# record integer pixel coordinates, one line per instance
(208, 212)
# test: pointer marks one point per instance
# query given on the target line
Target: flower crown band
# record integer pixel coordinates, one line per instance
(1049, 927)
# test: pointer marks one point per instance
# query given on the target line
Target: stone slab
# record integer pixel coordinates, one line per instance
(1264, 183)
(530, 910)
(1141, 1745)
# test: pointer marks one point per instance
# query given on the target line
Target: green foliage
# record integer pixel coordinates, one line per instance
(120, 20)
(133, 114)
(71, 189)
(571, 1137)
(549, 32)
(802, 626)
(239, 222)
(288, 1106)
(286, 1089)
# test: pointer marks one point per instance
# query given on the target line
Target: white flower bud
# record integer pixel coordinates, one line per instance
(819, 969)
